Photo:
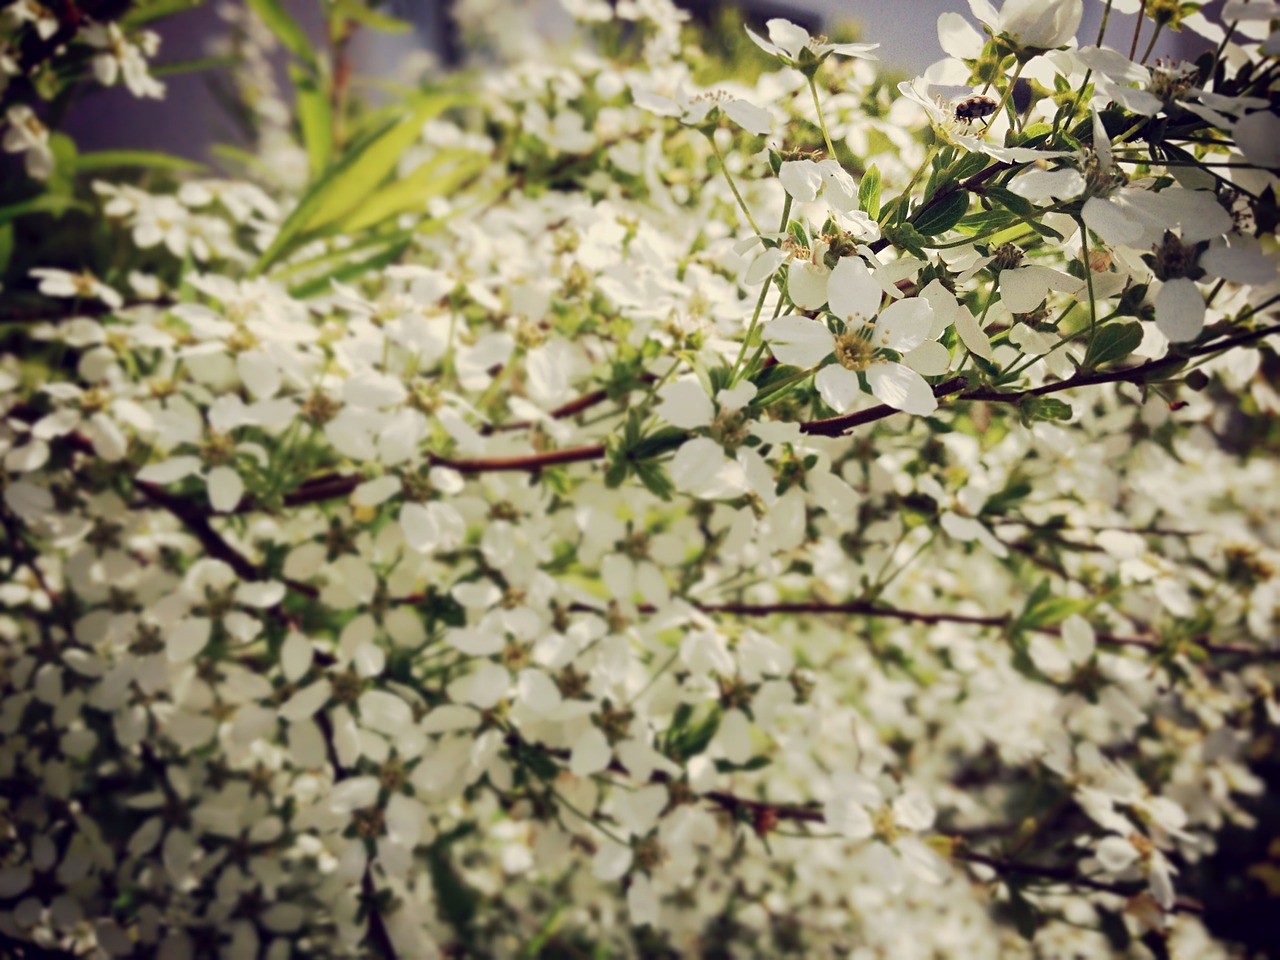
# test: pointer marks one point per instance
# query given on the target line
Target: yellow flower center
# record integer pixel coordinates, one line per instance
(854, 352)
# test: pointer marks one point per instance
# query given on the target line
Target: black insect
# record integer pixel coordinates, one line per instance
(974, 108)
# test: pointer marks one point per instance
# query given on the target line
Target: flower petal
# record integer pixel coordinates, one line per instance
(798, 341)
(904, 324)
(838, 387)
(853, 293)
(807, 284)
(1180, 310)
(930, 359)
(901, 388)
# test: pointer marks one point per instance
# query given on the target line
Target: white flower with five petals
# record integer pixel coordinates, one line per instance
(891, 348)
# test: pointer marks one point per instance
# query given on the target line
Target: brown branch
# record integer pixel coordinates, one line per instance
(571, 408)
(377, 926)
(334, 486)
(1065, 873)
(839, 426)
(861, 608)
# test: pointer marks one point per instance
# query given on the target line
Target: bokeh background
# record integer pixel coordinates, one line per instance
(190, 119)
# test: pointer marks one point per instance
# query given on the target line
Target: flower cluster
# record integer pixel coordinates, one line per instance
(574, 511)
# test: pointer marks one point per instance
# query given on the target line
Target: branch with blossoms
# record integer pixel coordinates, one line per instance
(566, 506)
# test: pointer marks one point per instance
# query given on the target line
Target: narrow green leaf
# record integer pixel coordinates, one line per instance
(366, 17)
(969, 165)
(178, 67)
(655, 478)
(439, 176)
(349, 271)
(352, 185)
(1053, 611)
(657, 443)
(146, 13)
(869, 192)
(45, 203)
(456, 900)
(6, 246)
(148, 159)
(315, 118)
(286, 29)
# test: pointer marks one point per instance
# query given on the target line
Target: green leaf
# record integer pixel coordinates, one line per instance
(1113, 341)
(455, 898)
(693, 738)
(969, 165)
(906, 236)
(533, 949)
(443, 174)
(357, 173)
(314, 117)
(44, 203)
(1043, 408)
(869, 192)
(655, 478)
(147, 159)
(615, 473)
(366, 17)
(349, 271)
(758, 762)
(1010, 201)
(1025, 916)
(145, 13)
(940, 216)
(6, 246)
(174, 68)
(1043, 609)
(657, 443)
(287, 30)
(1053, 611)
(370, 162)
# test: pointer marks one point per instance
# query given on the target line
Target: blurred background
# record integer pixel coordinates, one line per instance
(190, 119)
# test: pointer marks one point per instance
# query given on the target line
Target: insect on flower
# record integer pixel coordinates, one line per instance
(974, 108)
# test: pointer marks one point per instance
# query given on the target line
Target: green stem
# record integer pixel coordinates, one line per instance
(897, 201)
(764, 290)
(1222, 47)
(1088, 278)
(817, 105)
(732, 185)
(1102, 33)
(1150, 46)
(1008, 92)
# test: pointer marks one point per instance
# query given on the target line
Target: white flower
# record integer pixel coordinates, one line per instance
(696, 109)
(26, 134)
(1124, 215)
(1031, 25)
(805, 180)
(870, 345)
(793, 46)
(81, 286)
(975, 138)
(119, 58)
(857, 810)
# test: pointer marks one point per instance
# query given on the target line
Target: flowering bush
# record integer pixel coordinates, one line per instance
(566, 511)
